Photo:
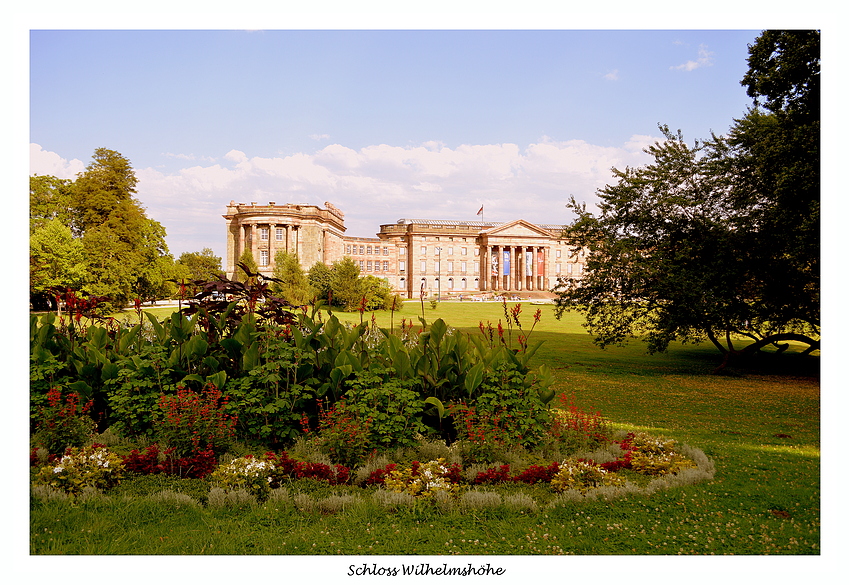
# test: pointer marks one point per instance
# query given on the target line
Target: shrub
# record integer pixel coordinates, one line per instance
(580, 475)
(391, 406)
(93, 467)
(343, 435)
(153, 461)
(63, 424)
(193, 422)
(248, 473)
(421, 480)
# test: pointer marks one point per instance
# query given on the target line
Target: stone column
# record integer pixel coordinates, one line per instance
(546, 256)
(241, 248)
(272, 245)
(254, 244)
(534, 285)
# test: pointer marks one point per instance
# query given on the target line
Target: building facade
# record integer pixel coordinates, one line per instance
(439, 257)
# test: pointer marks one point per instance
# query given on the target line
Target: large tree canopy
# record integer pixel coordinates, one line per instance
(718, 240)
(92, 235)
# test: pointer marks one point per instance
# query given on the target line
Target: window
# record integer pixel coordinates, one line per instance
(463, 267)
(264, 234)
(569, 268)
(437, 266)
(475, 268)
(557, 253)
(361, 249)
(578, 268)
(369, 265)
(463, 251)
(278, 234)
(451, 250)
(386, 251)
(401, 265)
(463, 284)
(348, 249)
(423, 250)
(557, 268)
(422, 266)
(451, 284)
(386, 265)
(264, 255)
(368, 249)
(361, 265)
(451, 266)
(477, 251)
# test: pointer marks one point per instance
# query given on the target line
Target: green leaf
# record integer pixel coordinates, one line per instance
(436, 402)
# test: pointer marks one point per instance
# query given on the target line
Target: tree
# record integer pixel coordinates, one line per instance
(203, 265)
(49, 200)
(292, 283)
(56, 261)
(345, 283)
(319, 278)
(124, 253)
(247, 260)
(719, 240)
(104, 189)
(377, 292)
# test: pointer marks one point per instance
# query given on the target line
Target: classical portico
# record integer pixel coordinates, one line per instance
(515, 257)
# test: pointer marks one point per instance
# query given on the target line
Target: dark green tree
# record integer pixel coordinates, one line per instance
(291, 282)
(719, 240)
(49, 200)
(346, 288)
(203, 265)
(247, 260)
(319, 279)
(124, 252)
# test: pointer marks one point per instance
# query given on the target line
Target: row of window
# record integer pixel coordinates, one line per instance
(450, 266)
(449, 250)
(278, 234)
(366, 249)
(368, 265)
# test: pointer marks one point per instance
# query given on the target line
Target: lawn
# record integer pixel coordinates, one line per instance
(760, 425)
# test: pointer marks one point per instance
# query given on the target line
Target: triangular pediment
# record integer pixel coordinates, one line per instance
(518, 228)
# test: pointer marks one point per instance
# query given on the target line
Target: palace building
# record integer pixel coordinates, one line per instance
(439, 257)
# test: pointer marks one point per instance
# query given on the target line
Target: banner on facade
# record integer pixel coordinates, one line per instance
(529, 263)
(540, 263)
(494, 266)
(506, 269)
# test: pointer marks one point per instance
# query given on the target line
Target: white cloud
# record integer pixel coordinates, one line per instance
(320, 136)
(612, 75)
(380, 184)
(44, 162)
(705, 59)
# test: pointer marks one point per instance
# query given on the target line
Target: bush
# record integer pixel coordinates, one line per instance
(192, 422)
(89, 467)
(63, 424)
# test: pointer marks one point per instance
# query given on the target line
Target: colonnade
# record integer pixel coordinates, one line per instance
(510, 267)
(251, 233)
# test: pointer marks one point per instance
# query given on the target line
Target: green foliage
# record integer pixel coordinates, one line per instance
(248, 473)
(62, 423)
(94, 467)
(575, 474)
(291, 282)
(191, 422)
(93, 235)
(247, 265)
(719, 240)
(319, 278)
(345, 284)
(203, 265)
(392, 407)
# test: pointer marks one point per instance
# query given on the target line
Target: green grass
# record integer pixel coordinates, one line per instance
(760, 425)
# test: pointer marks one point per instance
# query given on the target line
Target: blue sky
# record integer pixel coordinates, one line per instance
(385, 124)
